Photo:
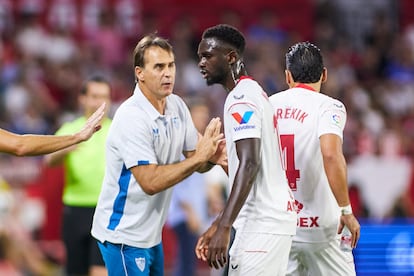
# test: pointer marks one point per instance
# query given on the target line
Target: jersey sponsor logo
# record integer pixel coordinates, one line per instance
(155, 132)
(238, 97)
(243, 120)
(298, 206)
(291, 113)
(308, 222)
(140, 263)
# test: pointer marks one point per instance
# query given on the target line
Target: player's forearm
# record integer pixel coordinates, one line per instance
(335, 168)
(240, 190)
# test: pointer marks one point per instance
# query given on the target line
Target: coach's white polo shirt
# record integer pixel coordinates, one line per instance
(140, 135)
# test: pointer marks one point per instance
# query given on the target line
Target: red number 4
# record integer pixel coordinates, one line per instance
(288, 153)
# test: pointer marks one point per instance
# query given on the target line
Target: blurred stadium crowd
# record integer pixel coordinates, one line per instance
(48, 47)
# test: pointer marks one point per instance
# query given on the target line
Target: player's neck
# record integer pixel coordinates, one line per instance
(235, 78)
(309, 86)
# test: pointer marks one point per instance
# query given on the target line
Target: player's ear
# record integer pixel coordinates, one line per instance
(232, 57)
(289, 79)
(324, 76)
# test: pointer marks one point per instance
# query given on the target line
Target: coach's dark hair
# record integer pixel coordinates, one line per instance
(145, 43)
(227, 34)
(305, 62)
(94, 78)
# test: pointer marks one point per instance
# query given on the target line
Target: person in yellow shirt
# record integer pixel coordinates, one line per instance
(84, 168)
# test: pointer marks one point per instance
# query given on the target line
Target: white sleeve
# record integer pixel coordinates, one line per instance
(332, 119)
(245, 121)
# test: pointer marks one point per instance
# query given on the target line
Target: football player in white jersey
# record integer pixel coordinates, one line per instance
(260, 203)
(149, 133)
(310, 126)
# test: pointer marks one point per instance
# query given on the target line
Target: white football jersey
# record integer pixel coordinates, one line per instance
(303, 116)
(269, 206)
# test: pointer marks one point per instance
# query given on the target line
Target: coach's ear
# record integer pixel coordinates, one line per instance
(289, 79)
(139, 74)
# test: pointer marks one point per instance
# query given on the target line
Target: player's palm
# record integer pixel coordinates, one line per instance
(220, 157)
(208, 143)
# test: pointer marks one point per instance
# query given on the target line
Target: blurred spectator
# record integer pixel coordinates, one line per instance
(189, 214)
(267, 29)
(90, 14)
(41, 66)
(128, 16)
(19, 254)
(6, 18)
(381, 179)
(63, 16)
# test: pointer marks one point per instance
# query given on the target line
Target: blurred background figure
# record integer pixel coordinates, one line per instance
(381, 174)
(19, 253)
(195, 202)
(47, 49)
(84, 169)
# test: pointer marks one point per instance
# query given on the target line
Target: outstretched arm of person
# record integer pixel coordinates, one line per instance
(30, 144)
(156, 178)
(335, 168)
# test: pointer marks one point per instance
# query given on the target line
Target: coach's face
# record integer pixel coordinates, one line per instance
(158, 74)
(213, 61)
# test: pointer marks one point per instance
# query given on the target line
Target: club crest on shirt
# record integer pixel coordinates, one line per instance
(140, 263)
(336, 119)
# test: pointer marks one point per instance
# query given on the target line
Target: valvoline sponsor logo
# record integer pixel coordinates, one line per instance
(243, 120)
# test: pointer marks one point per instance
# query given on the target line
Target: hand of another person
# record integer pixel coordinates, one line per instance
(353, 225)
(220, 157)
(92, 125)
(208, 143)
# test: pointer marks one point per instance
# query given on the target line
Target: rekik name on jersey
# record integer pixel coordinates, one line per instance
(291, 113)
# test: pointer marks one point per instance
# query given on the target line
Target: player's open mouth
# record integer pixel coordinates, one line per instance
(203, 73)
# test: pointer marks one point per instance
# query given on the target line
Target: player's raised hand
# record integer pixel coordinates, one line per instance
(92, 125)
